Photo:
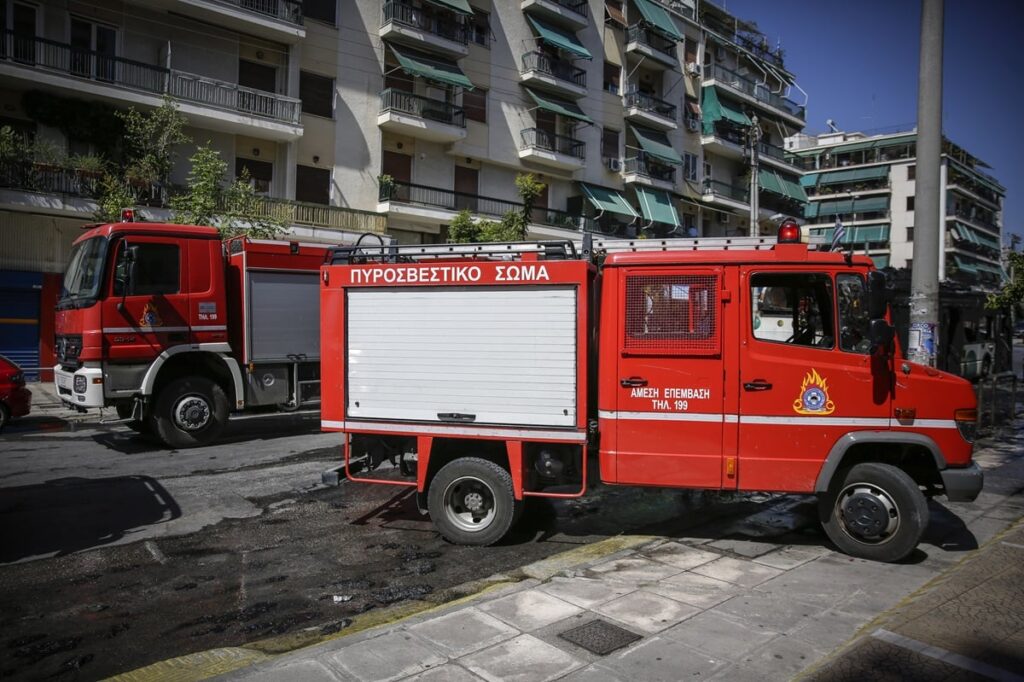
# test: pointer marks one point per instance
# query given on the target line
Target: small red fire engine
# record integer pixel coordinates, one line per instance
(486, 373)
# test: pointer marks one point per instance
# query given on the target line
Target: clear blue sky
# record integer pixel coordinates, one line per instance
(857, 60)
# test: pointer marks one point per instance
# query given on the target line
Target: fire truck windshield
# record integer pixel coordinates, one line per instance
(85, 271)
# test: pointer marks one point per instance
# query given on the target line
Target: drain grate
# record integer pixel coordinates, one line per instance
(600, 637)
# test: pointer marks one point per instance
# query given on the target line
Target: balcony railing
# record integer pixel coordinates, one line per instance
(285, 10)
(37, 177)
(650, 103)
(677, 7)
(438, 25)
(652, 39)
(234, 97)
(578, 6)
(561, 144)
(759, 47)
(758, 91)
(975, 217)
(538, 61)
(436, 197)
(642, 164)
(320, 215)
(724, 189)
(422, 107)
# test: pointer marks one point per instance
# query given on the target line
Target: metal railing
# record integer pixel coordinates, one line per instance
(435, 24)
(320, 215)
(422, 107)
(652, 39)
(285, 10)
(234, 97)
(552, 142)
(650, 103)
(973, 217)
(677, 7)
(643, 164)
(759, 91)
(38, 177)
(562, 70)
(724, 189)
(578, 6)
(997, 400)
(757, 47)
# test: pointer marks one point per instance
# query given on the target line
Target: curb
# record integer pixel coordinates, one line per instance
(203, 665)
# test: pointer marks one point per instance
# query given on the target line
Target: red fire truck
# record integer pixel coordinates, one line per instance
(486, 373)
(176, 329)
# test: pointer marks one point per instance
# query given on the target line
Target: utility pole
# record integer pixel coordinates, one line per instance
(753, 141)
(928, 238)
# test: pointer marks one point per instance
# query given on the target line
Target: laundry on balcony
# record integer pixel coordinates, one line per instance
(416, 63)
(561, 39)
(657, 145)
(557, 105)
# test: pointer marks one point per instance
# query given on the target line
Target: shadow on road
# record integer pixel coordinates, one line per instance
(129, 442)
(66, 515)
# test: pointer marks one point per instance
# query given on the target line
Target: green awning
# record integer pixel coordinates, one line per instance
(845, 206)
(809, 180)
(713, 109)
(556, 37)
(656, 144)
(881, 261)
(793, 189)
(773, 182)
(976, 236)
(657, 206)
(609, 200)
(854, 175)
(990, 269)
(460, 6)
(964, 264)
(425, 66)
(767, 180)
(557, 105)
(812, 210)
(658, 18)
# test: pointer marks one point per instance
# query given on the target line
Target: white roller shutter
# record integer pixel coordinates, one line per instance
(505, 355)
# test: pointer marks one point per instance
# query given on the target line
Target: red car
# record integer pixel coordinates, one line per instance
(15, 399)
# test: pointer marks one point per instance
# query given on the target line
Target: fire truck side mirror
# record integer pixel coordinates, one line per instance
(880, 334)
(877, 301)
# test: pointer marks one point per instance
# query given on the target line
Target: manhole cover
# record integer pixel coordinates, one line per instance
(600, 637)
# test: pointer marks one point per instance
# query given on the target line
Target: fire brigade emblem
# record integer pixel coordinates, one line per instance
(150, 317)
(814, 396)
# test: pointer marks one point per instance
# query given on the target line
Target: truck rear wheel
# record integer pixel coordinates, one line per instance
(189, 412)
(471, 501)
(875, 511)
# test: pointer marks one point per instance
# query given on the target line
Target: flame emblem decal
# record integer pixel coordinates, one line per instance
(814, 396)
(150, 317)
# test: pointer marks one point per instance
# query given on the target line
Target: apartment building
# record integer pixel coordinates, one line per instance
(868, 183)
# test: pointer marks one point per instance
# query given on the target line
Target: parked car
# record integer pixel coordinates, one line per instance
(15, 399)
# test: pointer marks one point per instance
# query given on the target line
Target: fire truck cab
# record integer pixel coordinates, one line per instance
(487, 372)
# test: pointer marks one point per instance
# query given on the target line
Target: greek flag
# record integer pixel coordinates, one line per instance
(837, 235)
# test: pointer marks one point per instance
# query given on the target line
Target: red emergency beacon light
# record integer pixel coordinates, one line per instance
(127, 215)
(789, 232)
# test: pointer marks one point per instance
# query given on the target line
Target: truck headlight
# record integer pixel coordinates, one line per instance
(79, 384)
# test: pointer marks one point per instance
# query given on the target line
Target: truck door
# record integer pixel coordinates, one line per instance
(806, 378)
(149, 277)
(668, 417)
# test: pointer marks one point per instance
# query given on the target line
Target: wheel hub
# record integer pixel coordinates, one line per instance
(474, 502)
(192, 413)
(868, 514)
(469, 503)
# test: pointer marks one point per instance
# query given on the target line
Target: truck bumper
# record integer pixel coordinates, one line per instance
(963, 485)
(82, 388)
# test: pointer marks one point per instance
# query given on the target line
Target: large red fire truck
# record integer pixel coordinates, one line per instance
(486, 373)
(176, 329)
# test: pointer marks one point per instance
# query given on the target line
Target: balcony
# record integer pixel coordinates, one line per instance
(420, 117)
(207, 102)
(725, 140)
(439, 32)
(774, 155)
(649, 43)
(279, 20)
(646, 170)
(650, 111)
(725, 195)
(558, 151)
(553, 74)
(756, 44)
(431, 205)
(572, 14)
(754, 92)
(973, 217)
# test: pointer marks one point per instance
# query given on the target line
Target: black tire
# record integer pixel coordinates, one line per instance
(874, 511)
(471, 502)
(189, 412)
(5, 417)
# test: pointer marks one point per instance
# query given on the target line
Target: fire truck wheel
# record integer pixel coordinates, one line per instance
(875, 511)
(471, 501)
(189, 412)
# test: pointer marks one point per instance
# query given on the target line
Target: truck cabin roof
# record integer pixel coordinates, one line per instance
(782, 253)
(109, 229)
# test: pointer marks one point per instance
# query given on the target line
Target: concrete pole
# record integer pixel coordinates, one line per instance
(924, 281)
(753, 140)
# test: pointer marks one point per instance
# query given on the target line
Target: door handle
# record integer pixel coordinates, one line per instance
(757, 385)
(632, 381)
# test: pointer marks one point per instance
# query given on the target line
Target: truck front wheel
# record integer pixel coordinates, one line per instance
(471, 501)
(875, 511)
(189, 412)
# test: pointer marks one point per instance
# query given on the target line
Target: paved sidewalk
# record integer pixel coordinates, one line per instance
(723, 609)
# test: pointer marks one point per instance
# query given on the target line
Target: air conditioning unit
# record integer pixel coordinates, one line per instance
(614, 165)
(692, 124)
(692, 68)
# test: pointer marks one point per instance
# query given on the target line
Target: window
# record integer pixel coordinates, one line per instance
(478, 28)
(155, 269)
(910, 233)
(609, 143)
(474, 103)
(261, 173)
(321, 10)
(313, 185)
(690, 166)
(910, 203)
(613, 15)
(672, 313)
(317, 94)
(612, 74)
(259, 76)
(853, 314)
(911, 172)
(793, 308)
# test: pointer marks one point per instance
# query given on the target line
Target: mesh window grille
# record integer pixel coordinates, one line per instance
(672, 314)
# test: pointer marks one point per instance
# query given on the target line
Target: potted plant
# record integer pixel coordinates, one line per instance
(386, 183)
